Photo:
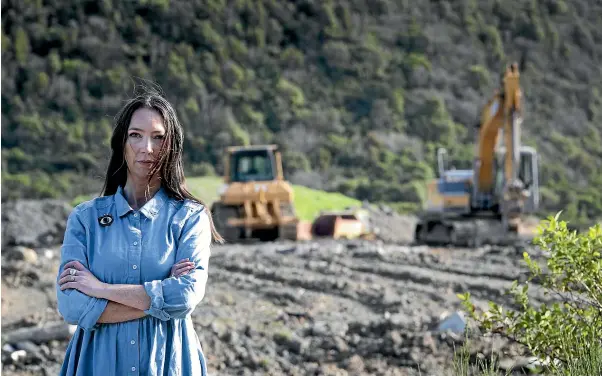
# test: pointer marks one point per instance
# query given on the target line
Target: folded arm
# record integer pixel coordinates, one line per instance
(177, 297)
(115, 312)
(132, 296)
(74, 306)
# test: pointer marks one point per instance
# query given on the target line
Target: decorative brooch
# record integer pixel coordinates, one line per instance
(105, 220)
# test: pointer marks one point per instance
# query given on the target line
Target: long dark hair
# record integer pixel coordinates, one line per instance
(169, 161)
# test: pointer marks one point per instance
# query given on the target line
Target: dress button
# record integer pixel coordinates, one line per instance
(135, 215)
(135, 243)
(133, 342)
(133, 369)
(134, 267)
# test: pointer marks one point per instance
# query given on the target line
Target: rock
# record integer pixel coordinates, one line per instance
(428, 342)
(18, 356)
(230, 336)
(250, 331)
(34, 223)
(400, 320)
(322, 328)
(49, 254)
(34, 355)
(319, 328)
(373, 251)
(354, 364)
(20, 253)
(522, 363)
(394, 339)
(340, 345)
(53, 331)
(219, 328)
(252, 360)
(45, 350)
(292, 342)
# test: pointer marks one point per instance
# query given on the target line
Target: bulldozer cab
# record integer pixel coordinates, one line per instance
(255, 163)
(252, 165)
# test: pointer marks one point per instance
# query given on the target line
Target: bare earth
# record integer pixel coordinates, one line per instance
(312, 308)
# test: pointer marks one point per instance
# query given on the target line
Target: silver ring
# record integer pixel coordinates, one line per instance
(72, 271)
(72, 278)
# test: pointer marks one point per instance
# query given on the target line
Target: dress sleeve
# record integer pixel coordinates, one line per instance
(177, 297)
(74, 306)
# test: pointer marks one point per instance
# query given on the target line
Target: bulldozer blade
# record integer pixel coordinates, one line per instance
(304, 230)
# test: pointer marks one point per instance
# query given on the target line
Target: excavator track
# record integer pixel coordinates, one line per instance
(467, 232)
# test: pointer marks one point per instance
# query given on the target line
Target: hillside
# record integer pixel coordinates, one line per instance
(359, 93)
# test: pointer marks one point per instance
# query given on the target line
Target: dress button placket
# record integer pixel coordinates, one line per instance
(135, 279)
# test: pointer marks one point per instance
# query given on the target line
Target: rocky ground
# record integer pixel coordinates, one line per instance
(319, 307)
(309, 308)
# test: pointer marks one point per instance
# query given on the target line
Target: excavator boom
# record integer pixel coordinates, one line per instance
(501, 112)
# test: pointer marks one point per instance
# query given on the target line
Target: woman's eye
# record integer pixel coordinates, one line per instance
(134, 134)
(159, 137)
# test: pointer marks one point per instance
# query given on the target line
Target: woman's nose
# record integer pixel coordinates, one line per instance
(148, 145)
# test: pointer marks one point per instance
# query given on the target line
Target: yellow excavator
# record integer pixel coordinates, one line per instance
(488, 203)
(255, 201)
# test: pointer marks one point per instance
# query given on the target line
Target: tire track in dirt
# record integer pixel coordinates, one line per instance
(413, 280)
(379, 303)
(383, 285)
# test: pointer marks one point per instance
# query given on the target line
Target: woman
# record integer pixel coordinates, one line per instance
(134, 261)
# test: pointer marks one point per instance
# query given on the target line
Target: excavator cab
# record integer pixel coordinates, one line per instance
(528, 173)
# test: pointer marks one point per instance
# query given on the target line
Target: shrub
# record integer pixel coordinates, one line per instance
(569, 327)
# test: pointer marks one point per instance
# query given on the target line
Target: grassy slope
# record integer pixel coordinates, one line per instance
(309, 202)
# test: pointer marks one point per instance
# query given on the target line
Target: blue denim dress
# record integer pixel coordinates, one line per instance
(136, 247)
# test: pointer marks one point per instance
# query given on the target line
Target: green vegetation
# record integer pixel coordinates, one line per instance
(567, 331)
(587, 362)
(309, 202)
(205, 188)
(359, 94)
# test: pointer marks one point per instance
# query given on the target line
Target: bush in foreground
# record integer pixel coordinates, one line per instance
(567, 333)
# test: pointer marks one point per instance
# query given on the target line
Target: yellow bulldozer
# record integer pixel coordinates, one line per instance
(255, 202)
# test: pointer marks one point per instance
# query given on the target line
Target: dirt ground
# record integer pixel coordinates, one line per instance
(309, 308)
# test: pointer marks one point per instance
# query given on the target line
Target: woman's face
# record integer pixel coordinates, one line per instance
(143, 142)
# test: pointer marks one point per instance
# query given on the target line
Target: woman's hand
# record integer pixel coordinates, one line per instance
(76, 276)
(181, 268)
